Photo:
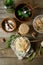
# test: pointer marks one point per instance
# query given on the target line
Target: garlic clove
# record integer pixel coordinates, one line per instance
(42, 44)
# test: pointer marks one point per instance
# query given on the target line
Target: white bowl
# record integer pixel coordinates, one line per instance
(35, 21)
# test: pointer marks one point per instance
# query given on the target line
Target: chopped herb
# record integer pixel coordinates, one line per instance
(32, 56)
(8, 42)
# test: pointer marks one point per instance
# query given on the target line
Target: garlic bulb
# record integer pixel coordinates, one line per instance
(42, 43)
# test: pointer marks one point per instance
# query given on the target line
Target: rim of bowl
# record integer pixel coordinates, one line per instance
(34, 22)
(8, 19)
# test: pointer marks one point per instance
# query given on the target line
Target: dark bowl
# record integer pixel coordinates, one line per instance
(23, 12)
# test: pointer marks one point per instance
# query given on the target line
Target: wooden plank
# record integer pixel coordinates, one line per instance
(36, 61)
(5, 34)
(39, 3)
(15, 61)
(32, 2)
(10, 61)
(7, 53)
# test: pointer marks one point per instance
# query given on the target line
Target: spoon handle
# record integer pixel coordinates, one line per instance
(37, 40)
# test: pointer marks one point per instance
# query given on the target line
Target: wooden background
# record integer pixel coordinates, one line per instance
(7, 57)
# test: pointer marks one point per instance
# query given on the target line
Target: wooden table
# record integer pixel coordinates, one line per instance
(7, 56)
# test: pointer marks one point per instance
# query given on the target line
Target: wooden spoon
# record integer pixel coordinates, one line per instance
(37, 40)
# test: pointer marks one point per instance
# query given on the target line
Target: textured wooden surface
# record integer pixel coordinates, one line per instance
(7, 56)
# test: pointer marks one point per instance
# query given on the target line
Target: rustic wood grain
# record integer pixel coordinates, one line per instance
(39, 3)
(7, 56)
(12, 61)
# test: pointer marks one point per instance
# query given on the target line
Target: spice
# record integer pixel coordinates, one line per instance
(23, 29)
(3, 39)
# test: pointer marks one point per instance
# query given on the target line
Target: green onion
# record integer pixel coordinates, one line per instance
(32, 56)
(8, 42)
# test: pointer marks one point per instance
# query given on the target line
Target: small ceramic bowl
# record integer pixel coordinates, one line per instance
(38, 18)
(21, 6)
(7, 24)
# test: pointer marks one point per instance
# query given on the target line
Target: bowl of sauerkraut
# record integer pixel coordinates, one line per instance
(21, 46)
(38, 23)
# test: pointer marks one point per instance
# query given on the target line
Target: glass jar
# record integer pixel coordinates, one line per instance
(9, 5)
